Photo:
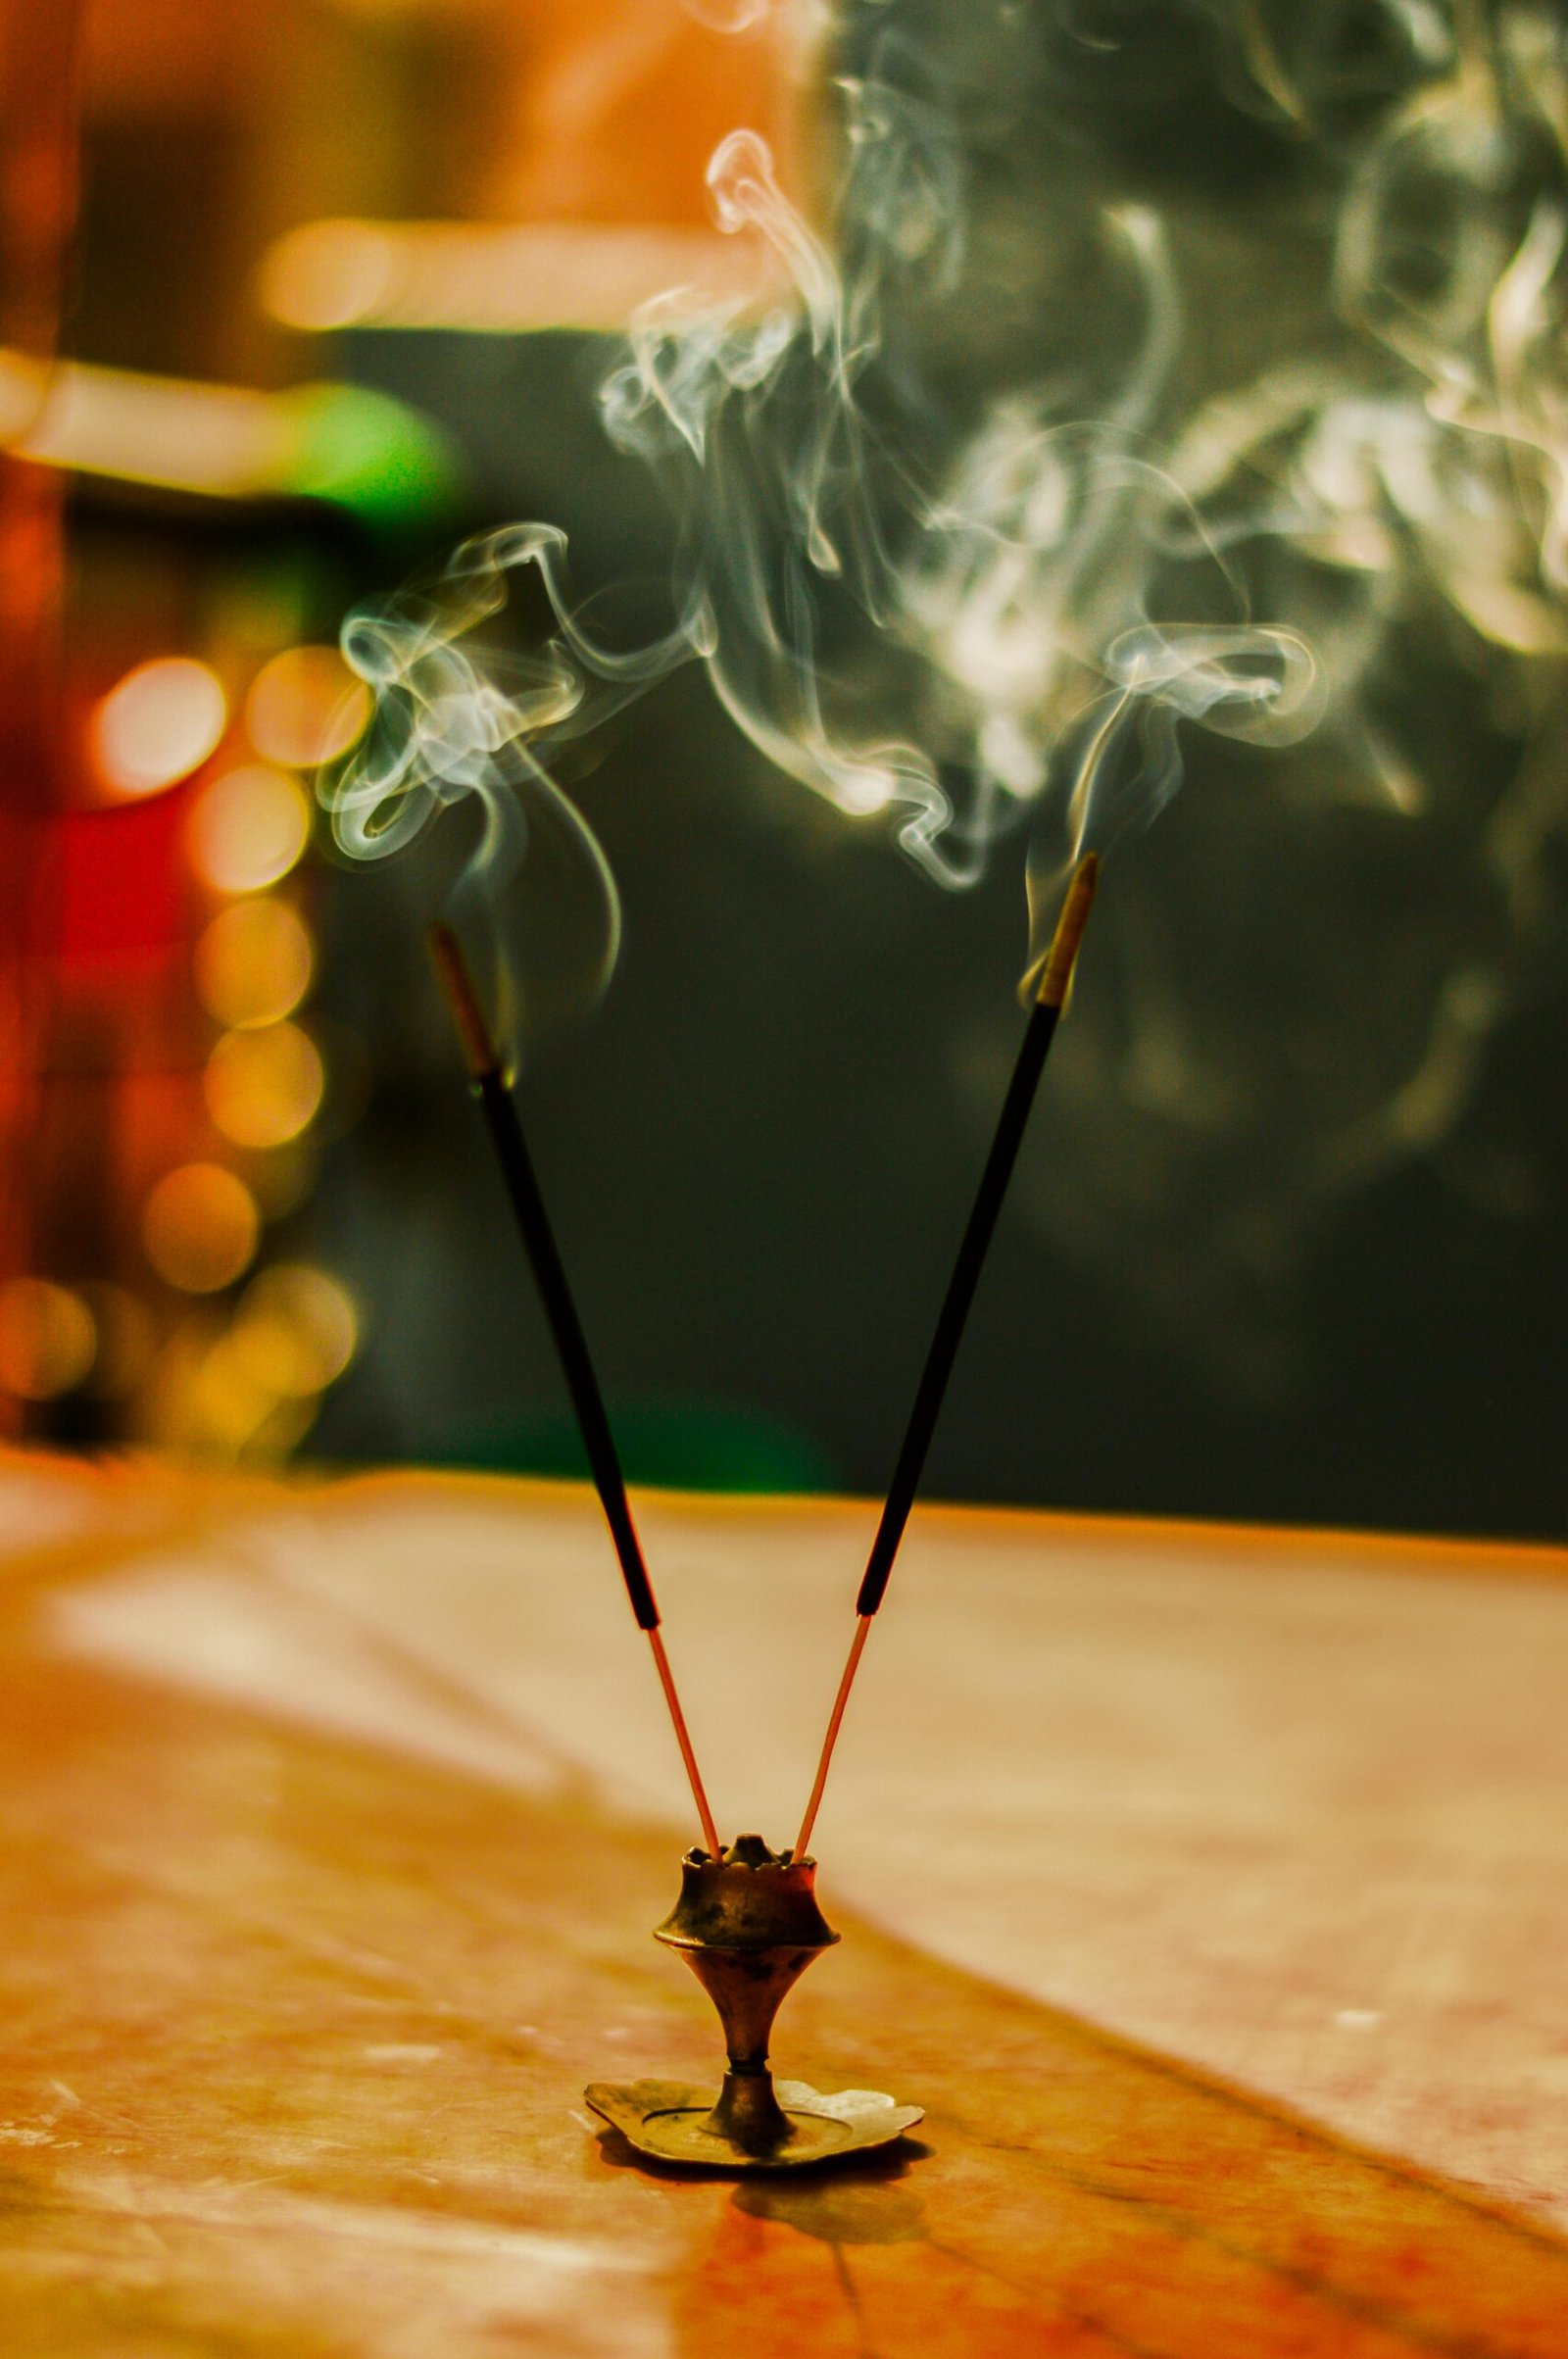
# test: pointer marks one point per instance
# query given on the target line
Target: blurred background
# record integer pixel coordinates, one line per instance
(295, 297)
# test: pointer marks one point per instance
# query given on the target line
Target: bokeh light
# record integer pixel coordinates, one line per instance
(201, 1227)
(250, 828)
(224, 1408)
(306, 708)
(264, 1088)
(296, 1330)
(159, 724)
(254, 963)
(328, 274)
(47, 1339)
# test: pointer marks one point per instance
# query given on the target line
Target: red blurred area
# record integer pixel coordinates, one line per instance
(120, 890)
(40, 62)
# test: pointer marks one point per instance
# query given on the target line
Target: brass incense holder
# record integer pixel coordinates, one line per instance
(747, 1921)
(748, 1924)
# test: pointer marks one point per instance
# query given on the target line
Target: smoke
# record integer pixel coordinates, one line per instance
(1156, 375)
(837, 568)
(1377, 456)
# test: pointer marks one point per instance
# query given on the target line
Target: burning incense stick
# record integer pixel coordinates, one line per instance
(561, 1310)
(1054, 982)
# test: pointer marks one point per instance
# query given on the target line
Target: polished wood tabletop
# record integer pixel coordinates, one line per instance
(1205, 1888)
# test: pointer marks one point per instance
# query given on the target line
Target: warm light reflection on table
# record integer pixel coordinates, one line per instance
(1225, 1870)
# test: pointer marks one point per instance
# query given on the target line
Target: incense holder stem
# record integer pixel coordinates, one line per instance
(748, 1924)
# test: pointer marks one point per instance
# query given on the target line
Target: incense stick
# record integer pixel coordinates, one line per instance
(566, 1328)
(1055, 983)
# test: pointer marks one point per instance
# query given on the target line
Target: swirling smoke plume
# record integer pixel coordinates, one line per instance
(1143, 380)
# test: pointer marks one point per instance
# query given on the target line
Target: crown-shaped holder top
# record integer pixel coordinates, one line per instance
(748, 1924)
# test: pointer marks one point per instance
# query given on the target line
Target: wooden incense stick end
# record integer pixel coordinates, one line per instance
(1057, 975)
(694, 1776)
(457, 983)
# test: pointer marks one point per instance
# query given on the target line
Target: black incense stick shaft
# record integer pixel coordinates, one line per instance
(550, 1276)
(572, 1344)
(1011, 1123)
(1050, 1000)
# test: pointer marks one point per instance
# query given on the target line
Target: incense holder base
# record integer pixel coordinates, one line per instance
(670, 2120)
(748, 1924)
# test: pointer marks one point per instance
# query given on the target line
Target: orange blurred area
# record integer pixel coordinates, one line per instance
(249, 828)
(264, 1087)
(306, 708)
(622, 102)
(253, 963)
(48, 1338)
(200, 1227)
(296, 1330)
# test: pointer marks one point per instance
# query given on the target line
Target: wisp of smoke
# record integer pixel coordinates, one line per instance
(968, 600)
(831, 575)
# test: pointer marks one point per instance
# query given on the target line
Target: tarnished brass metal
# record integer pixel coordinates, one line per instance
(748, 1924)
(668, 2120)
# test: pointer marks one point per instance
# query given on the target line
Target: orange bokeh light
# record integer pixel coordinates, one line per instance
(306, 708)
(201, 1227)
(47, 1339)
(295, 1330)
(254, 963)
(250, 828)
(264, 1088)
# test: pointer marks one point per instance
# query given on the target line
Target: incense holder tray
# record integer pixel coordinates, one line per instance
(669, 2121)
(748, 1924)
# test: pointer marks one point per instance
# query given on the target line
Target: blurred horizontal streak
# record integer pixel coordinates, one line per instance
(348, 445)
(500, 280)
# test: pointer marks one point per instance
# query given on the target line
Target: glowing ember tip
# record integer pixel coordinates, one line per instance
(456, 982)
(1056, 977)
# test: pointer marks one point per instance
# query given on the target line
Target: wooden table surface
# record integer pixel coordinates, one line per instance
(1210, 1890)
